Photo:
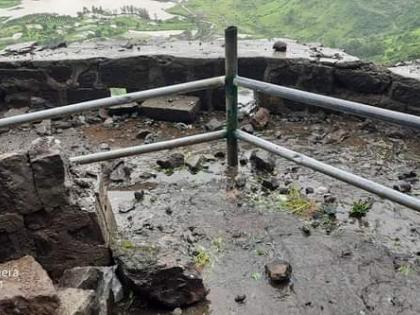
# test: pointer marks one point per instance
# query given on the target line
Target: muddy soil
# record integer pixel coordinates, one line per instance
(345, 265)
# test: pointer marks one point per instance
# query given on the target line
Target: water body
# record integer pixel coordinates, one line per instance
(66, 7)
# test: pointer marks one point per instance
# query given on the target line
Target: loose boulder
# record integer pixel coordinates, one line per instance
(26, 289)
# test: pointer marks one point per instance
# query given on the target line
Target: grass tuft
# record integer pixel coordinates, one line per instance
(298, 204)
(360, 208)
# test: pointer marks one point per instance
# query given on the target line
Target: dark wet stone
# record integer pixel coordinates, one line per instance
(262, 161)
(271, 183)
(280, 46)
(49, 170)
(101, 280)
(142, 134)
(219, 155)
(408, 175)
(309, 190)
(240, 181)
(283, 190)
(240, 298)
(328, 198)
(243, 160)
(279, 271)
(403, 187)
(173, 161)
(214, 124)
(16, 180)
(139, 195)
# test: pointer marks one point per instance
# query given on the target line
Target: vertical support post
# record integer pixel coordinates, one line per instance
(231, 69)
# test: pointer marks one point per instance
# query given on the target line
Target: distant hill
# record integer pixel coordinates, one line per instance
(381, 30)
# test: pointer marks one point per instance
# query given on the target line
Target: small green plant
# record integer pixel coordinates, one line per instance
(298, 204)
(360, 208)
(256, 276)
(126, 244)
(260, 251)
(201, 257)
(405, 270)
(218, 244)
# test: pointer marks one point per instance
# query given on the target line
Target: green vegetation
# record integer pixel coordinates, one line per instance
(201, 257)
(256, 276)
(294, 202)
(8, 3)
(406, 270)
(360, 208)
(298, 204)
(53, 28)
(380, 30)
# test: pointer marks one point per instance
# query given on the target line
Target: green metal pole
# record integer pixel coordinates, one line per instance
(231, 66)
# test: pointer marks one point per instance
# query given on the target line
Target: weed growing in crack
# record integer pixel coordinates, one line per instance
(201, 257)
(406, 270)
(256, 276)
(298, 204)
(360, 208)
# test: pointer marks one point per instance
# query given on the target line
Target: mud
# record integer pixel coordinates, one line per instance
(366, 266)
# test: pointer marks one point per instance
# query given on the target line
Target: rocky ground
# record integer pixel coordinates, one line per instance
(232, 225)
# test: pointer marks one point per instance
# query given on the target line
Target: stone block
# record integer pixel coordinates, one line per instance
(17, 188)
(26, 289)
(76, 302)
(49, 171)
(175, 108)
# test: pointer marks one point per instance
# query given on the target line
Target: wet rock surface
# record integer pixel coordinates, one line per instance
(76, 302)
(102, 281)
(26, 289)
(175, 108)
(362, 265)
(152, 262)
(43, 214)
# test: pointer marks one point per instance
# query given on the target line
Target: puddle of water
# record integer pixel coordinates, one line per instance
(65, 7)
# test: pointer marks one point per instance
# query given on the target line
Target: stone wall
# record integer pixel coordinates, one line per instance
(39, 84)
(40, 214)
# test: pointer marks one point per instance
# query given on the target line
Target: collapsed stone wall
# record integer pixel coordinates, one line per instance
(40, 214)
(40, 84)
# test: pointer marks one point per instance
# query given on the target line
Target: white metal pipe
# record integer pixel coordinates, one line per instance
(344, 176)
(330, 103)
(112, 101)
(147, 148)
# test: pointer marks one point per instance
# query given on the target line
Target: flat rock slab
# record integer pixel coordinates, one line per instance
(76, 302)
(341, 273)
(175, 108)
(153, 263)
(26, 289)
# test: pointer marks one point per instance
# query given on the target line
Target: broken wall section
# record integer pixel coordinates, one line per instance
(41, 215)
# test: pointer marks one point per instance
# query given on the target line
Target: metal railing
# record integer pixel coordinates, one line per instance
(232, 81)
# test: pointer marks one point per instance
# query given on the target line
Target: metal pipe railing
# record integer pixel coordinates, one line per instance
(147, 148)
(112, 101)
(321, 167)
(231, 82)
(231, 71)
(330, 103)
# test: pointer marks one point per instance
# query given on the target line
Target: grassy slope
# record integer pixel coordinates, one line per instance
(380, 30)
(8, 3)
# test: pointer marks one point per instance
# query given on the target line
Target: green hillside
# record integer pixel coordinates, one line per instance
(380, 30)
